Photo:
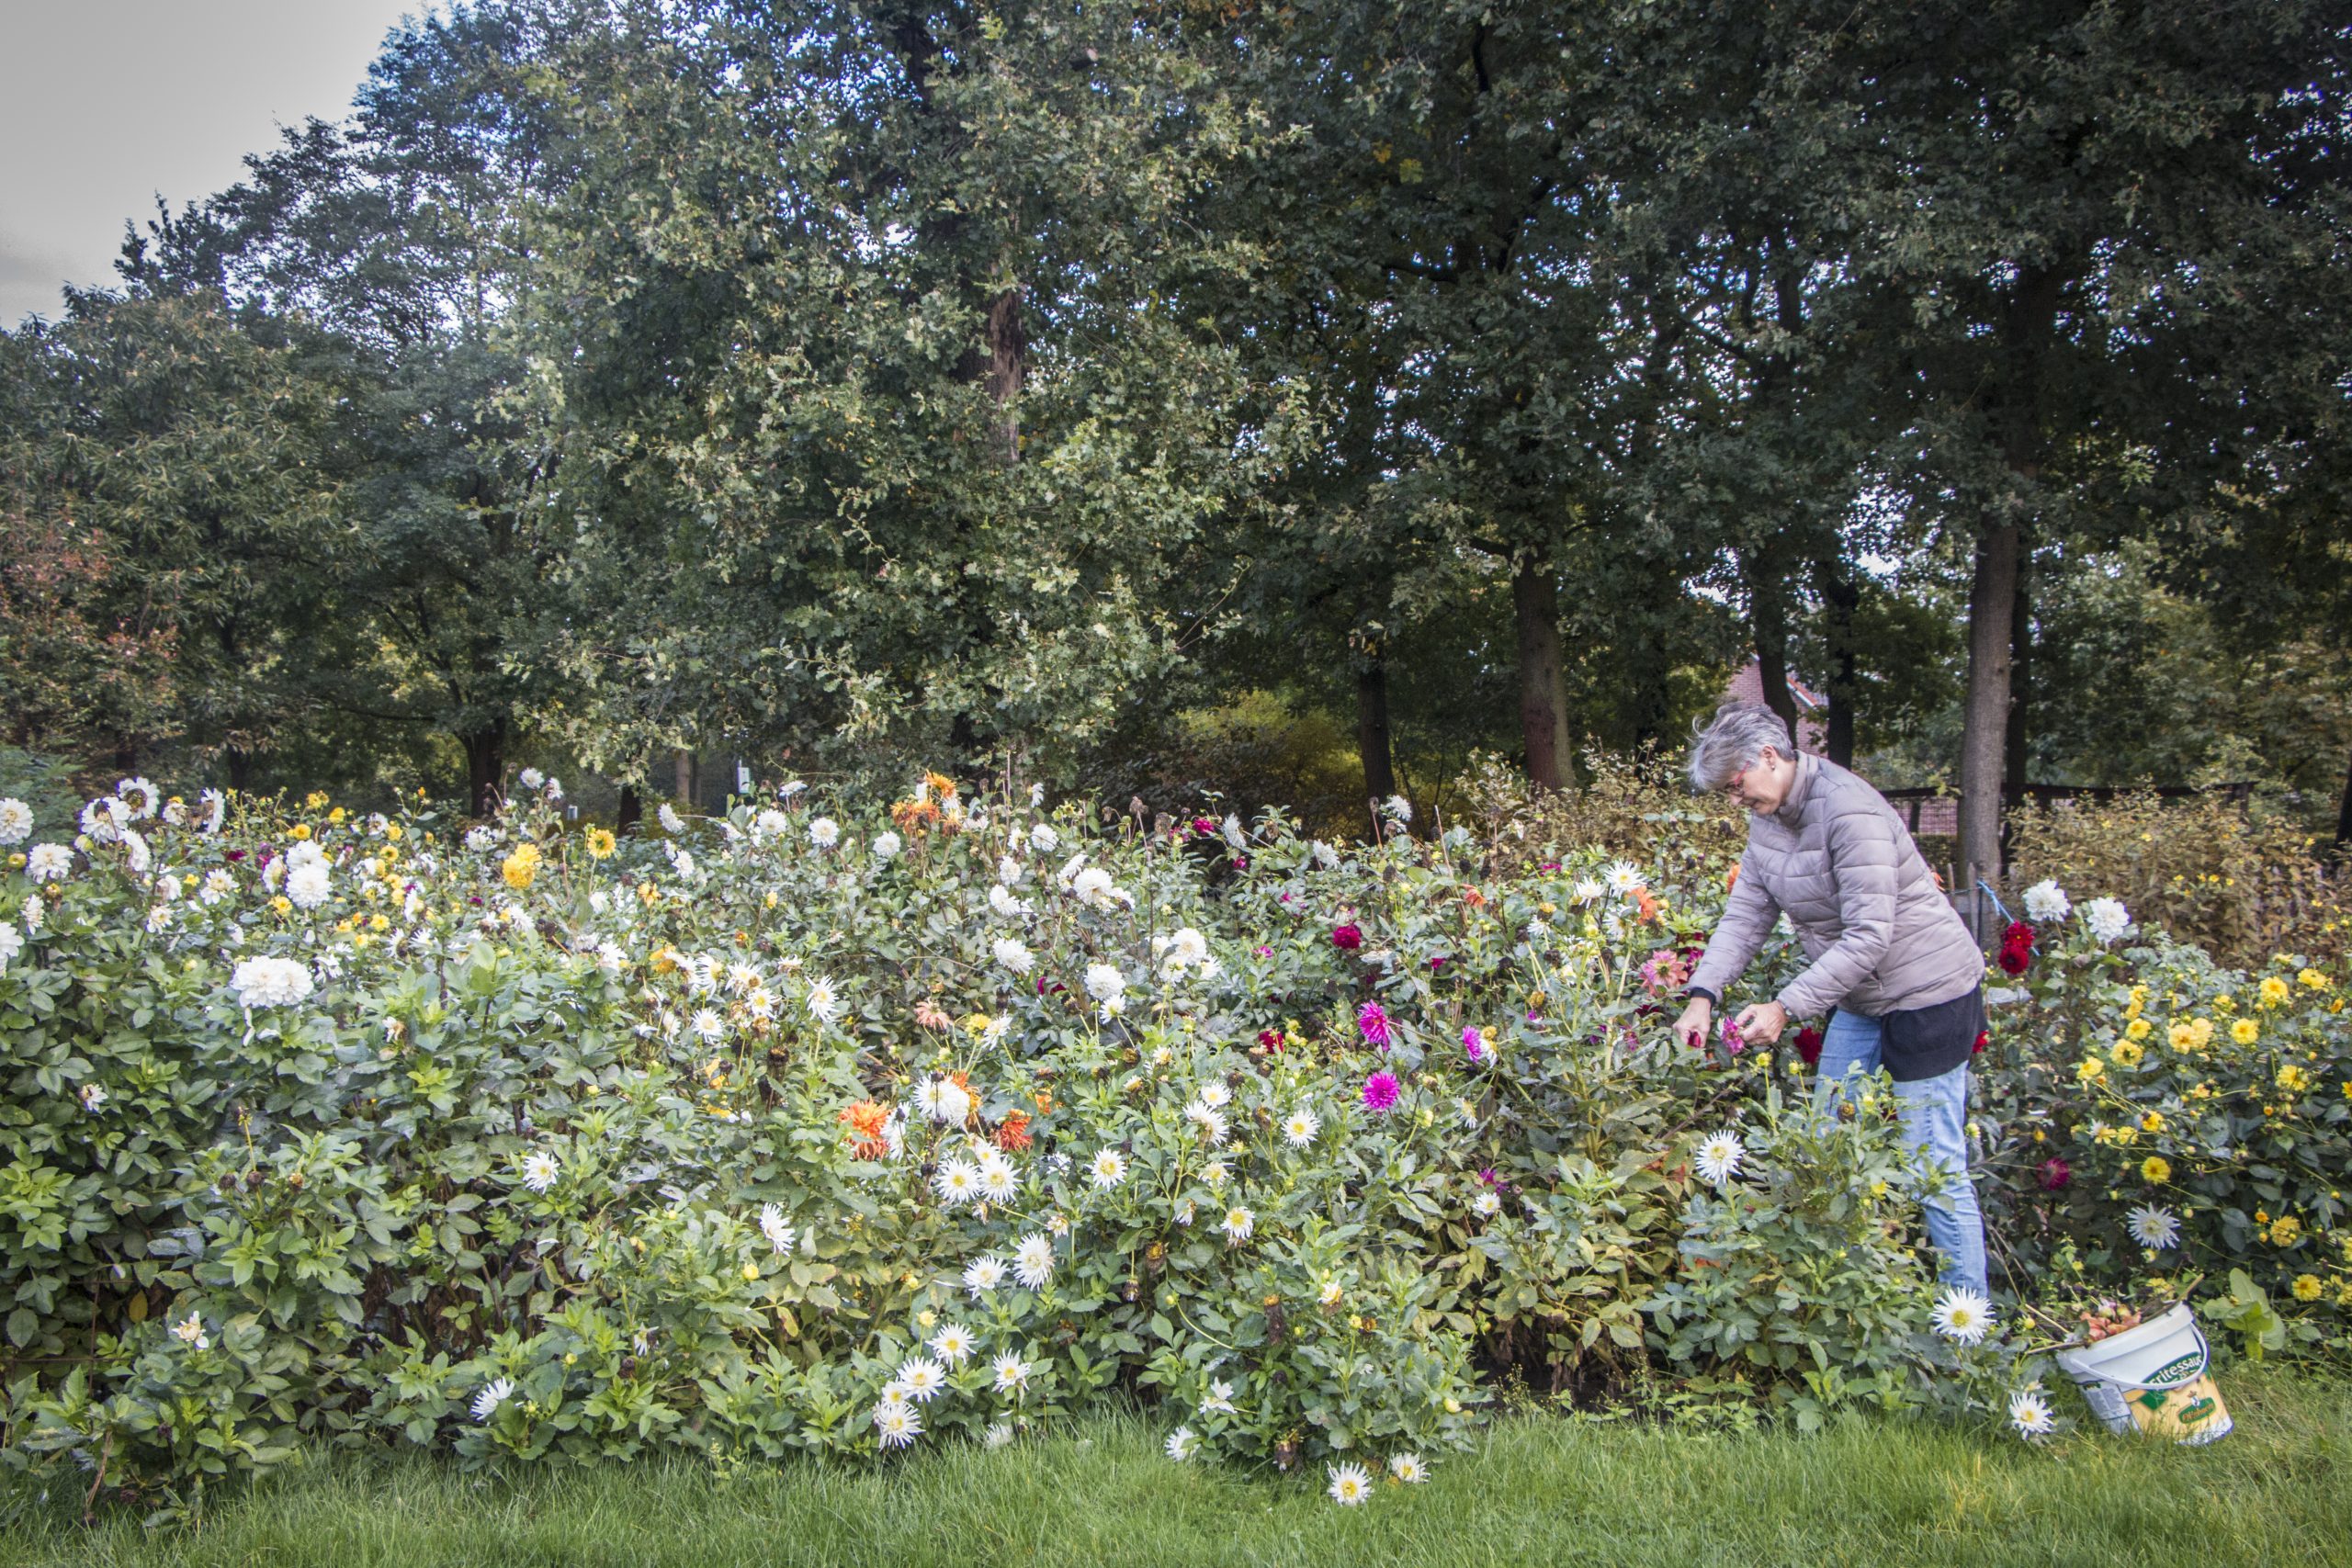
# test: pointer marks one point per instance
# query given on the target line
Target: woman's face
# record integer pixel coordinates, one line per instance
(1763, 784)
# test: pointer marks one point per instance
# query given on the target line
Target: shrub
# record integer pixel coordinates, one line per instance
(766, 1133)
(2242, 884)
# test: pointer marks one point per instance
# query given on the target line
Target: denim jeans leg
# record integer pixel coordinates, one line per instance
(1934, 1118)
(1850, 1044)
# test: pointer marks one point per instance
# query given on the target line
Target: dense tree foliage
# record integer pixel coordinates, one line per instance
(885, 379)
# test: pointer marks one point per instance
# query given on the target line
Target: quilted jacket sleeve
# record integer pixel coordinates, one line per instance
(1863, 854)
(1749, 915)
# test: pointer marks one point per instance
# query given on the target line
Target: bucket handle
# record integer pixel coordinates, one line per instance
(2204, 1364)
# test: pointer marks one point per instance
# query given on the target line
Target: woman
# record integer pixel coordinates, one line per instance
(1887, 950)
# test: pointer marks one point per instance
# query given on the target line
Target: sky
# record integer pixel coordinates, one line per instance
(105, 103)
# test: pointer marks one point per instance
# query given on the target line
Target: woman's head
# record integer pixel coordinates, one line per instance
(1746, 752)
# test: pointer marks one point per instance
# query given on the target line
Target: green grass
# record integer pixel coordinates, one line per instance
(2278, 1492)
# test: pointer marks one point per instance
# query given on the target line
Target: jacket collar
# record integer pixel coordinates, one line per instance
(1790, 810)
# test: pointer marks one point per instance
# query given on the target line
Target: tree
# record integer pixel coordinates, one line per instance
(880, 437)
(175, 478)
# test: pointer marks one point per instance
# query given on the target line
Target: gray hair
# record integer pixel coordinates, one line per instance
(1732, 739)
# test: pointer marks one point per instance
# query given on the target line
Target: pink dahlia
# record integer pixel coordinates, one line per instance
(1380, 1091)
(1372, 1024)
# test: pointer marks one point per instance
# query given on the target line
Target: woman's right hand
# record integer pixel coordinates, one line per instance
(1691, 1028)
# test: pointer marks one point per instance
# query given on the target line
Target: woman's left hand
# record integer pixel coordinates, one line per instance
(1761, 1024)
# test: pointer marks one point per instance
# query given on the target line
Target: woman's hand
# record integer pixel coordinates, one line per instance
(1761, 1024)
(1691, 1028)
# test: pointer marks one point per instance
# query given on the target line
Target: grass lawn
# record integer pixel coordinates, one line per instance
(2278, 1492)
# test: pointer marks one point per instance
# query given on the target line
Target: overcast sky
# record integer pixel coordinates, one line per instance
(103, 103)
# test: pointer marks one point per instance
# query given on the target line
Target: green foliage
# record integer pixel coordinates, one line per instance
(2144, 1079)
(566, 1155)
(1798, 1281)
(2246, 1311)
(2242, 884)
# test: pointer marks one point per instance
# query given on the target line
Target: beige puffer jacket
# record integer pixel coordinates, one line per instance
(1839, 862)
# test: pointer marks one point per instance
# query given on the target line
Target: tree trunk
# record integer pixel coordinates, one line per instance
(685, 768)
(1839, 598)
(1992, 595)
(631, 809)
(2014, 765)
(2344, 823)
(1543, 684)
(1991, 600)
(1769, 611)
(1008, 367)
(1372, 730)
(240, 763)
(485, 766)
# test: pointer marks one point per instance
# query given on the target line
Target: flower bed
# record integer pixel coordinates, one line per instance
(819, 1128)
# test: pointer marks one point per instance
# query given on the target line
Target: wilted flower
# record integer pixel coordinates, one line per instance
(1182, 1444)
(189, 1331)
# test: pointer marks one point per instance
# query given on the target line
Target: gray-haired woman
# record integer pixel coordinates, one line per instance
(1887, 951)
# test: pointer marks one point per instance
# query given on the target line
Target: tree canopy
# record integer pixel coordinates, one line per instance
(879, 382)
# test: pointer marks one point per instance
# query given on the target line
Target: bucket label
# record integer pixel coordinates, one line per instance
(2177, 1371)
(2193, 1413)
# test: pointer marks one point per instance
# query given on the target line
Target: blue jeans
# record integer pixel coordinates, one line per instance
(1935, 1117)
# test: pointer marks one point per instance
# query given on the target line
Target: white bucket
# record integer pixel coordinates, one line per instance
(2153, 1380)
